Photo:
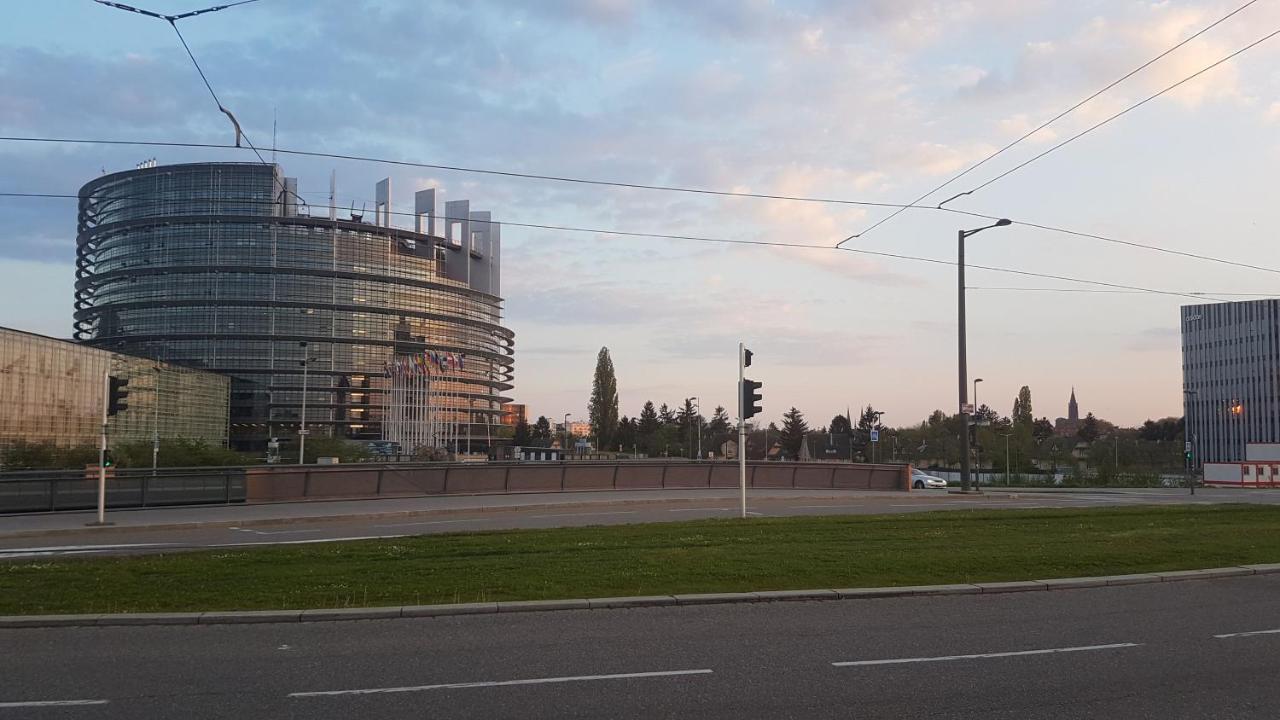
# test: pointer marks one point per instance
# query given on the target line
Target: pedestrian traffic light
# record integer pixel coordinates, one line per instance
(107, 460)
(750, 397)
(116, 394)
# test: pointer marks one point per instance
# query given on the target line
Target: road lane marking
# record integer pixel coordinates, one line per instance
(304, 542)
(432, 522)
(694, 509)
(983, 656)
(502, 683)
(273, 532)
(821, 507)
(1248, 634)
(51, 703)
(560, 515)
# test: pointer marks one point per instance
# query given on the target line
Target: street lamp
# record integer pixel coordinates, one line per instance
(963, 350)
(1189, 464)
(566, 434)
(875, 425)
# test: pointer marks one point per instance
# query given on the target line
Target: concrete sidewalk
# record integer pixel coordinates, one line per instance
(248, 515)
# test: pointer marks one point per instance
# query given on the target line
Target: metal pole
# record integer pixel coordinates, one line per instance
(1006, 460)
(302, 431)
(102, 449)
(964, 370)
(742, 434)
(155, 436)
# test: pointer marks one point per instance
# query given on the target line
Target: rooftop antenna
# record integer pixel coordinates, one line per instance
(333, 191)
(273, 135)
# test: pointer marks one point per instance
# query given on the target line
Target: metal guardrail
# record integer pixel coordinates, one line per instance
(50, 491)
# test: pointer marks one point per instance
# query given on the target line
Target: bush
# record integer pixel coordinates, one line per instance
(48, 456)
(346, 451)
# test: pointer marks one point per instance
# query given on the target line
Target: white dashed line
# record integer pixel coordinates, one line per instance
(983, 656)
(501, 683)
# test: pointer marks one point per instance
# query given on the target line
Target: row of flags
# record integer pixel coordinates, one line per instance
(422, 363)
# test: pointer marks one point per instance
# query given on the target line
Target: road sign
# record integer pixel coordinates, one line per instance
(875, 436)
(967, 408)
(1188, 447)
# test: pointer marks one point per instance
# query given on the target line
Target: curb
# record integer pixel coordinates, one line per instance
(491, 608)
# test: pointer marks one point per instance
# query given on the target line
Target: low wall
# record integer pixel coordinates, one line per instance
(355, 481)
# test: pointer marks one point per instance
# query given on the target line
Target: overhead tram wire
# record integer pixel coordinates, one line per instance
(1117, 241)
(462, 169)
(1116, 292)
(1123, 112)
(727, 193)
(723, 241)
(1052, 120)
(173, 23)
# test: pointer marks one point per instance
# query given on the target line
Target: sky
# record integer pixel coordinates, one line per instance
(869, 100)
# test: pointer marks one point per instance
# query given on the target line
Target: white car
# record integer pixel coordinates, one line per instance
(921, 480)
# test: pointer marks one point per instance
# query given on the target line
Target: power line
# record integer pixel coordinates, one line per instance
(1055, 118)
(1135, 106)
(173, 23)
(458, 168)
(689, 238)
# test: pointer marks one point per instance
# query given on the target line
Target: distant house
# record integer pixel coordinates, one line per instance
(729, 450)
(826, 446)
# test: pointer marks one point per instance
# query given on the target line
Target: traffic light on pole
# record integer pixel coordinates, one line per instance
(746, 358)
(750, 398)
(116, 395)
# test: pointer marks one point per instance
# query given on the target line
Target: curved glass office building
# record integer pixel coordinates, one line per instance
(221, 266)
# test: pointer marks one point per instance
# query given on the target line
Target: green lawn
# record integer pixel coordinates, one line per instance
(666, 558)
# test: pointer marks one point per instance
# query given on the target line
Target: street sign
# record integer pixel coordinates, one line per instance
(1188, 447)
(875, 436)
(967, 408)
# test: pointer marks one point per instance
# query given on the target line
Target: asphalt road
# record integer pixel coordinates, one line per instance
(1172, 650)
(175, 529)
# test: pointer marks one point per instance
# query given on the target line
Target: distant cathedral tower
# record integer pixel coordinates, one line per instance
(1073, 410)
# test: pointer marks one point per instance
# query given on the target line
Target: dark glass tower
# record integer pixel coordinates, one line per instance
(220, 266)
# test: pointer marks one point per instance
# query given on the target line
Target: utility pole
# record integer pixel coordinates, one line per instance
(302, 430)
(102, 450)
(155, 433)
(742, 428)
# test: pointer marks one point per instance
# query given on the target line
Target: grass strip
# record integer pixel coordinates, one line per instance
(661, 558)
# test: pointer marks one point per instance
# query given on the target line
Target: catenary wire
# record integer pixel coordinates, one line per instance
(955, 211)
(1114, 292)
(1053, 119)
(1117, 241)
(695, 238)
(1123, 112)
(173, 23)
(462, 169)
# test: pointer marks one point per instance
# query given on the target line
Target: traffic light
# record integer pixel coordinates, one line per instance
(116, 395)
(746, 358)
(107, 459)
(750, 397)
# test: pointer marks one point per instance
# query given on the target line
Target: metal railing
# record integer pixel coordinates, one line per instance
(53, 490)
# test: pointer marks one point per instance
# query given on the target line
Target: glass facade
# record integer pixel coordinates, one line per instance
(53, 391)
(211, 266)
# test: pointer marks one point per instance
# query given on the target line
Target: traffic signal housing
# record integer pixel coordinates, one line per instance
(116, 394)
(750, 398)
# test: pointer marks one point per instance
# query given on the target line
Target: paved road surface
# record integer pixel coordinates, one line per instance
(1173, 650)
(171, 529)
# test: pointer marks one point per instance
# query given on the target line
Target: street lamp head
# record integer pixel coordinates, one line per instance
(977, 380)
(1003, 222)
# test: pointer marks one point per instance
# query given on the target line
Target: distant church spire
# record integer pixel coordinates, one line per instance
(1073, 410)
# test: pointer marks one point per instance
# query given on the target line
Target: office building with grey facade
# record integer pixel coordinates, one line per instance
(1230, 377)
(325, 324)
